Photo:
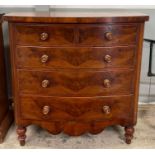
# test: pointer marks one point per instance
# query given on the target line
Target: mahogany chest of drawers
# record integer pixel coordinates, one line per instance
(76, 73)
(6, 116)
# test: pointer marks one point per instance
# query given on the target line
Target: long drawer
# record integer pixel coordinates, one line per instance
(75, 57)
(76, 82)
(83, 109)
(75, 34)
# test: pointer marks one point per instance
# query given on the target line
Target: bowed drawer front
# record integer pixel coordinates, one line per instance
(75, 109)
(76, 83)
(76, 74)
(69, 35)
(75, 57)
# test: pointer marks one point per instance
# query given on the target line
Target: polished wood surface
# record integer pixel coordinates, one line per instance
(107, 35)
(76, 74)
(72, 34)
(75, 57)
(76, 82)
(5, 113)
(76, 17)
(76, 109)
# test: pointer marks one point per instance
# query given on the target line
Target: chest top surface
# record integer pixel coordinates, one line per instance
(76, 17)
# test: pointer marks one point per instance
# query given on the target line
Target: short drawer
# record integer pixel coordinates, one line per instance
(76, 82)
(45, 35)
(107, 35)
(85, 109)
(75, 57)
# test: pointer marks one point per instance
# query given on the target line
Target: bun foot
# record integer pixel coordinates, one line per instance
(129, 134)
(21, 135)
(128, 141)
(22, 142)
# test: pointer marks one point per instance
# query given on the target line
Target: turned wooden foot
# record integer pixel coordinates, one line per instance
(129, 134)
(21, 135)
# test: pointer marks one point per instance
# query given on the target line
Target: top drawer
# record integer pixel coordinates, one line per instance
(73, 34)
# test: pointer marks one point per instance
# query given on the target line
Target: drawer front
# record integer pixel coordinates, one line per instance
(69, 34)
(84, 109)
(76, 82)
(109, 35)
(44, 35)
(41, 57)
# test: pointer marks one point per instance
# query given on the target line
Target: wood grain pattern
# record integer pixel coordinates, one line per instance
(95, 35)
(61, 79)
(76, 83)
(60, 35)
(86, 34)
(75, 109)
(56, 16)
(75, 57)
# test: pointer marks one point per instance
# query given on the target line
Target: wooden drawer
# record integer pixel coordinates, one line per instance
(70, 34)
(75, 109)
(46, 35)
(76, 82)
(74, 57)
(107, 35)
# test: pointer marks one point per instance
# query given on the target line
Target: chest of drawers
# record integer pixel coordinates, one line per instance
(6, 116)
(77, 73)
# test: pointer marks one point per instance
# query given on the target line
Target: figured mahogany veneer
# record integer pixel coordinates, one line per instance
(6, 116)
(69, 35)
(76, 73)
(76, 82)
(76, 109)
(75, 57)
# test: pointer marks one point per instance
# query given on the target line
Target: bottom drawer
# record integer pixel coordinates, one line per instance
(83, 109)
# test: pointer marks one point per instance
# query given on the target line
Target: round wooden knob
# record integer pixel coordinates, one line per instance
(46, 110)
(45, 83)
(106, 109)
(107, 58)
(44, 36)
(107, 83)
(108, 36)
(44, 58)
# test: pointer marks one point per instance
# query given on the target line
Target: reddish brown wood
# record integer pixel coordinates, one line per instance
(80, 83)
(58, 35)
(6, 117)
(21, 135)
(75, 109)
(63, 35)
(75, 57)
(129, 134)
(96, 35)
(76, 17)
(76, 74)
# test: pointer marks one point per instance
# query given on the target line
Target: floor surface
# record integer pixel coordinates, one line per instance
(111, 137)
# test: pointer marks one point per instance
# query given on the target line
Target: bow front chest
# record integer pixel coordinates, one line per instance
(76, 73)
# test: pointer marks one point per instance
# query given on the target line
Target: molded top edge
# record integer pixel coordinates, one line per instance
(75, 17)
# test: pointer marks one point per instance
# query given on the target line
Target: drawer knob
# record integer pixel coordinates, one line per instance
(46, 110)
(45, 83)
(108, 36)
(44, 36)
(107, 58)
(106, 109)
(107, 83)
(44, 58)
